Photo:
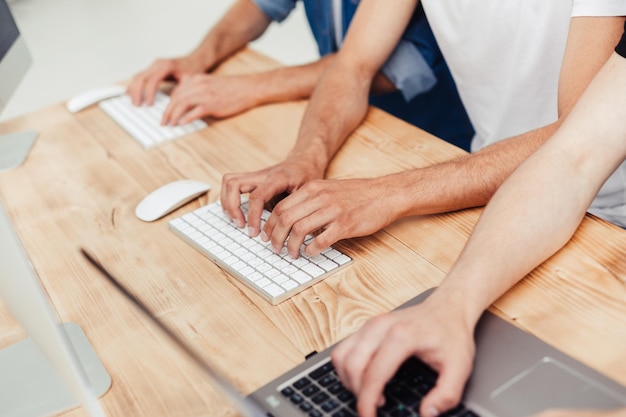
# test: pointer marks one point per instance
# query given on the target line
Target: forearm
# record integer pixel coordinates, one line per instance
(337, 106)
(241, 24)
(472, 180)
(532, 215)
(468, 181)
(286, 83)
(339, 102)
(539, 207)
(299, 82)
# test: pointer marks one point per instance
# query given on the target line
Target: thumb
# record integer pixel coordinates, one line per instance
(447, 392)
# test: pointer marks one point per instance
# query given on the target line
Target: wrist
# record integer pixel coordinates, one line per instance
(461, 301)
(314, 157)
(256, 87)
(202, 59)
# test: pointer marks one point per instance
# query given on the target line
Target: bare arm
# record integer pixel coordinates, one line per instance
(537, 208)
(221, 96)
(471, 181)
(339, 102)
(542, 203)
(242, 23)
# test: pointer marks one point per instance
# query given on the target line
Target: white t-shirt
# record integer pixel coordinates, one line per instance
(505, 57)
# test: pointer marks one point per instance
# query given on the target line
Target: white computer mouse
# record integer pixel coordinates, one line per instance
(168, 198)
(93, 96)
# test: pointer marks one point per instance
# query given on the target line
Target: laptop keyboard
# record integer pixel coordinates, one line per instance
(318, 392)
(275, 277)
(143, 123)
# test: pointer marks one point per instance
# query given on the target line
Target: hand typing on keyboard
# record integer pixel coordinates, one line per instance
(341, 209)
(435, 331)
(207, 95)
(143, 87)
(264, 186)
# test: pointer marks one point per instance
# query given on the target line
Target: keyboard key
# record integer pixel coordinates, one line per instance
(344, 413)
(346, 396)
(301, 276)
(302, 382)
(320, 398)
(289, 285)
(330, 405)
(327, 380)
(274, 290)
(296, 399)
(336, 388)
(400, 411)
(306, 407)
(287, 392)
(342, 259)
(311, 390)
(321, 371)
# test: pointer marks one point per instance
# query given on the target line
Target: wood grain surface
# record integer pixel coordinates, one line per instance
(85, 175)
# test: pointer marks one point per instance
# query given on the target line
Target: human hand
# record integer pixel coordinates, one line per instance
(339, 209)
(432, 331)
(263, 186)
(143, 86)
(620, 412)
(203, 95)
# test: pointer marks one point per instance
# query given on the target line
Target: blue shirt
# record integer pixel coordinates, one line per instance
(426, 95)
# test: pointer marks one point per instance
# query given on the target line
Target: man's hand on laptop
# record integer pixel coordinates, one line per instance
(435, 332)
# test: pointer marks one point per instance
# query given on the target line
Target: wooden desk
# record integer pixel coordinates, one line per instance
(84, 177)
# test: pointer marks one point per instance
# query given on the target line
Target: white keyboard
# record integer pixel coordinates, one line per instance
(144, 123)
(275, 277)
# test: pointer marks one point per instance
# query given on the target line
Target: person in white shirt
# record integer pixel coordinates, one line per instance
(538, 208)
(519, 67)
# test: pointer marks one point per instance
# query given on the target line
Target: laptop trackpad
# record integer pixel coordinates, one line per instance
(549, 384)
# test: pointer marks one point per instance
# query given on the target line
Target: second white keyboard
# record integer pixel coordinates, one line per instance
(143, 123)
(275, 277)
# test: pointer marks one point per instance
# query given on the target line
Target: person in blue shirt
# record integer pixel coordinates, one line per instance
(414, 84)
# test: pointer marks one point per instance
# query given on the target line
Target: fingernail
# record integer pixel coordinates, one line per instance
(250, 231)
(432, 412)
(264, 236)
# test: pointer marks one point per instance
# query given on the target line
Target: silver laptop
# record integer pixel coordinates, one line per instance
(515, 375)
